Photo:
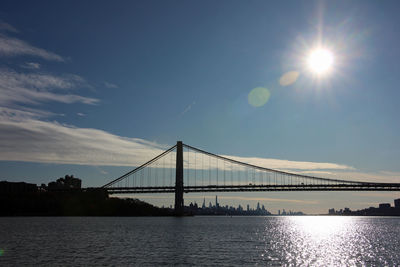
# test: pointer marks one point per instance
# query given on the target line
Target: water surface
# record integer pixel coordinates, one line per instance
(212, 241)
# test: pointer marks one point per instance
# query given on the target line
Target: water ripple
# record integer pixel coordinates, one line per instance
(204, 241)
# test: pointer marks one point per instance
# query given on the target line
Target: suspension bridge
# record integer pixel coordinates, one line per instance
(186, 169)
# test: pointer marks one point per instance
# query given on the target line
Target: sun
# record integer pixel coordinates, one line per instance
(320, 60)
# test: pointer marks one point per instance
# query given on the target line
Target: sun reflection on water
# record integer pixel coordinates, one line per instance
(319, 241)
(321, 227)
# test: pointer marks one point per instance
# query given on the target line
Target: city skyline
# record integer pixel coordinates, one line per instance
(97, 97)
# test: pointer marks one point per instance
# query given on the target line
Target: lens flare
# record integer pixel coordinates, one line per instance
(259, 96)
(320, 60)
(289, 78)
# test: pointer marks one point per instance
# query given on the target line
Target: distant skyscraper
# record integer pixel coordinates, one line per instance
(204, 204)
(216, 201)
(248, 207)
(258, 206)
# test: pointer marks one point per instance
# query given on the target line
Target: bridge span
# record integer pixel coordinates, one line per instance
(186, 169)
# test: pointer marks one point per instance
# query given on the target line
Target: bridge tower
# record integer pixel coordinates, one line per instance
(179, 180)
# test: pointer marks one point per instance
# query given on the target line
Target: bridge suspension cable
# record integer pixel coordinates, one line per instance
(140, 179)
(202, 171)
(257, 169)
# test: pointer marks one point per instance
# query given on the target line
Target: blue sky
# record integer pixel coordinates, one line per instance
(93, 89)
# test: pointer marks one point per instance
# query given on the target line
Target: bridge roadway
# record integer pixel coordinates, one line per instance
(255, 188)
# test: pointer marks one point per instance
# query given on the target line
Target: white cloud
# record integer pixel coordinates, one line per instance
(36, 88)
(31, 65)
(39, 141)
(280, 164)
(110, 85)
(11, 114)
(10, 46)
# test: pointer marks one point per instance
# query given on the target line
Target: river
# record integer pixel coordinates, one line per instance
(201, 240)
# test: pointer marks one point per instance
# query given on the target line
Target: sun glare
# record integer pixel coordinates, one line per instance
(320, 60)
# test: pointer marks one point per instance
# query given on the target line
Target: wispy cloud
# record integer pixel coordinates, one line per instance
(110, 85)
(26, 136)
(36, 88)
(7, 27)
(23, 113)
(10, 46)
(33, 140)
(100, 170)
(31, 65)
(280, 164)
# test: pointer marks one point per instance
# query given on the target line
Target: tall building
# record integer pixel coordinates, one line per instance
(216, 202)
(204, 204)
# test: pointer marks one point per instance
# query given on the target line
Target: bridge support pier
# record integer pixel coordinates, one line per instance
(179, 206)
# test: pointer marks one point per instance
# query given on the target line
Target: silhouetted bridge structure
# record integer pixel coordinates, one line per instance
(186, 169)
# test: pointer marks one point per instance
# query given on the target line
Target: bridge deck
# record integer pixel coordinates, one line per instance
(250, 188)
